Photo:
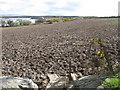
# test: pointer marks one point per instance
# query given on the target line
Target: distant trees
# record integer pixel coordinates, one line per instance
(49, 22)
(10, 23)
(41, 20)
(3, 23)
(54, 20)
(23, 22)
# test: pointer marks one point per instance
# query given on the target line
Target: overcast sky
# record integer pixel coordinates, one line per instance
(60, 7)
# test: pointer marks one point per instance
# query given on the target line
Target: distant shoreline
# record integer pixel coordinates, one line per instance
(37, 17)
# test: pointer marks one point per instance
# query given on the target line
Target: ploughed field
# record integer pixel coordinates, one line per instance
(34, 51)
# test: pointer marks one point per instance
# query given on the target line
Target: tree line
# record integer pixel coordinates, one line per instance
(18, 22)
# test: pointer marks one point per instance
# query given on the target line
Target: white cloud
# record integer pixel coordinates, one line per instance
(99, 7)
(60, 7)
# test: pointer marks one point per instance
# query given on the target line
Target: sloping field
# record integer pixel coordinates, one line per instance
(32, 51)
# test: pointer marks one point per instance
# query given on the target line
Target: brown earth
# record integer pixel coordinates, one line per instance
(32, 51)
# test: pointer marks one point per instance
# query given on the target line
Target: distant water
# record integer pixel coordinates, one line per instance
(14, 19)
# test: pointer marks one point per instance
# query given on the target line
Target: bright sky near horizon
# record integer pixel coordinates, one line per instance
(60, 7)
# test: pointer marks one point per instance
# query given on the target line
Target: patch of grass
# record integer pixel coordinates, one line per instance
(112, 83)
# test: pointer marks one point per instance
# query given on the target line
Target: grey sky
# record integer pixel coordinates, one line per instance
(60, 7)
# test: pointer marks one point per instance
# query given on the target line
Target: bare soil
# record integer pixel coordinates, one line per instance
(37, 50)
